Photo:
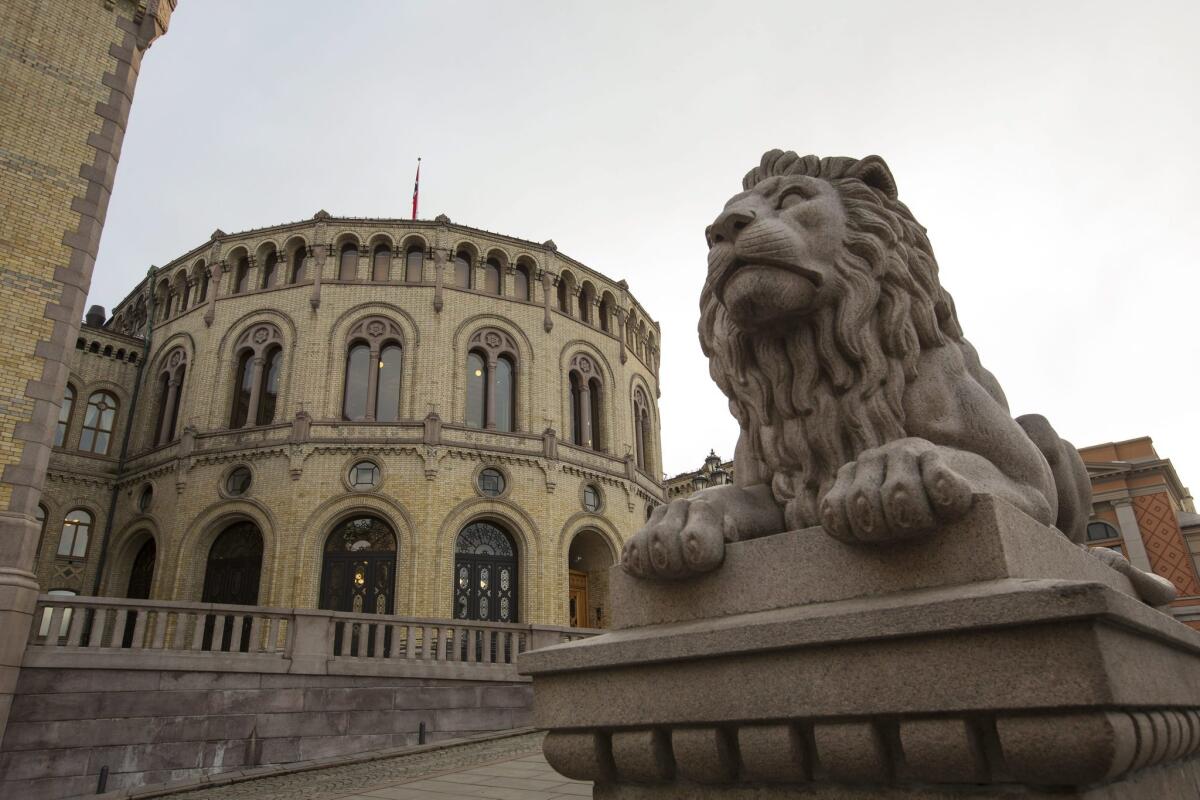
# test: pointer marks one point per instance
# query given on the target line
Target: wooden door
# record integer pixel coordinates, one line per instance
(577, 604)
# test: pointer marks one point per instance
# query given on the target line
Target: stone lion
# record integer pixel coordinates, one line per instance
(861, 405)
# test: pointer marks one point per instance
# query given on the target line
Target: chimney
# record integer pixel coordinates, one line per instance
(95, 317)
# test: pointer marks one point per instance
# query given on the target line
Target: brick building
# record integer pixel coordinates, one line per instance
(406, 417)
(1139, 507)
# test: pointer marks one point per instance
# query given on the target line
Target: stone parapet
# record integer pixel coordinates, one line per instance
(993, 659)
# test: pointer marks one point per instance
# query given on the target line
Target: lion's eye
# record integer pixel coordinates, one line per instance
(794, 195)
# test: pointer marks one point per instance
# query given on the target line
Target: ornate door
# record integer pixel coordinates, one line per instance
(359, 567)
(231, 577)
(485, 574)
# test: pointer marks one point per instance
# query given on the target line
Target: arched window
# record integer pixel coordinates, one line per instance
(241, 275)
(259, 373)
(374, 363)
(164, 387)
(201, 277)
(491, 276)
(268, 272)
(491, 380)
(587, 295)
(477, 381)
(348, 262)
(64, 416)
(414, 264)
(187, 294)
(1100, 531)
(77, 525)
(462, 269)
(485, 574)
(381, 262)
(170, 392)
(358, 571)
(641, 429)
(564, 297)
(242, 387)
(606, 310)
(299, 260)
(521, 282)
(586, 397)
(268, 393)
(98, 421)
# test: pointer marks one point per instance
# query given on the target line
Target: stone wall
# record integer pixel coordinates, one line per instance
(150, 726)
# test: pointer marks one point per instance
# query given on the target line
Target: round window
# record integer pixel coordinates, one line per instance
(238, 481)
(491, 482)
(591, 498)
(145, 498)
(364, 475)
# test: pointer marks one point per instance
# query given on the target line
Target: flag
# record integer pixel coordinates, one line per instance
(416, 188)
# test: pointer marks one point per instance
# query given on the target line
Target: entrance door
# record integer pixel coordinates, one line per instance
(577, 609)
(141, 574)
(359, 567)
(485, 574)
(231, 577)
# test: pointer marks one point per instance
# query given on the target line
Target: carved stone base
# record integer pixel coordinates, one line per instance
(995, 659)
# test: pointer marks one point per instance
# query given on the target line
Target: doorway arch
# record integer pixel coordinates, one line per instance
(234, 566)
(485, 573)
(141, 573)
(358, 568)
(589, 559)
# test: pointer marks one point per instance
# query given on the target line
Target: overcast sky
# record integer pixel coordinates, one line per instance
(1049, 148)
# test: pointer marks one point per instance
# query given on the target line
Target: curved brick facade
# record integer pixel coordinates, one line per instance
(429, 458)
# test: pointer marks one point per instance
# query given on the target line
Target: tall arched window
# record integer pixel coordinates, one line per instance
(299, 261)
(491, 380)
(491, 276)
(521, 282)
(642, 431)
(462, 269)
(162, 401)
(163, 298)
(414, 264)
(241, 275)
(374, 363)
(348, 262)
(587, 294)
(202, 279)
(268, 272)
(485, 574)
(186, 292)
(564, 297)
(268, 393)
(172, 372)
(586, 397)
(77, 527)
(98, 421)
(358, 570)
(606, 310)
(259, 353)
(381, 262)
(64, 416)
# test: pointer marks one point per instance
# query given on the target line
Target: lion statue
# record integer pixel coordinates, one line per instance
(862, 408)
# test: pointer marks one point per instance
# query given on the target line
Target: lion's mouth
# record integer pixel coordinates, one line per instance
(740, 264)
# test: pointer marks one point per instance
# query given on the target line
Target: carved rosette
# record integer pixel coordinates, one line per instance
(375, 331)
(258, 338)
(494, 342)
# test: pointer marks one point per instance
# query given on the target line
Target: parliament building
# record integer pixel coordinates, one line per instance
(373, 415)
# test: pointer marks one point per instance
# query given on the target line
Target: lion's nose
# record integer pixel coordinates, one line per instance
(729, 224)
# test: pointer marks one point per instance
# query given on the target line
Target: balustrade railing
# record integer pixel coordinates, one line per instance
(311, 640)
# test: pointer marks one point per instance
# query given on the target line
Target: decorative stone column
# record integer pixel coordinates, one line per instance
(255, 387)
(547, 283)
(585, 413)
(168, 418)
(439, 278)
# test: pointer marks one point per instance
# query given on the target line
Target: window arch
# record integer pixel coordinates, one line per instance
(259, 358)
(98, 421)
(606, 312)
(587, 399)
(1101, 531)
(358, 570)
(163, 299)
(414, 264)
(521, 279)
(76, 530)
(241, 275)
(564, 293)
(485, 573)
(587, 296)
(381, 262)
(462, 269)
(374, 365)
(299, 262)
(268, 271)
(642, 429)
(170, 391)
(348, 262)
(201, 276)
(185, 291)
(491, 380)
(64, 416)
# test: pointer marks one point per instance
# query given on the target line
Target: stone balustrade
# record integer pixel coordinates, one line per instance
(159, 634)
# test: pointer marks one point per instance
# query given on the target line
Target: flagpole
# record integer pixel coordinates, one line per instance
(416, 188)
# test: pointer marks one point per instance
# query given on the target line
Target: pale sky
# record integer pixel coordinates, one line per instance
(1049, 148)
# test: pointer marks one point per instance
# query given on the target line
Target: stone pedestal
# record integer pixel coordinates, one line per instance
(994, 659)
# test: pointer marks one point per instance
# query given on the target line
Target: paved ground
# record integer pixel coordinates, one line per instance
(506, 769)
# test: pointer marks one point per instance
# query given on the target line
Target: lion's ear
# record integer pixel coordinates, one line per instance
(873, 171)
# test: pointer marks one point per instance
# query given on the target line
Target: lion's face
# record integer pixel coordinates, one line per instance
(773, 249)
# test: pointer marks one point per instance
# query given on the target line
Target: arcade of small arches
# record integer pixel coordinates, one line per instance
(389, 262)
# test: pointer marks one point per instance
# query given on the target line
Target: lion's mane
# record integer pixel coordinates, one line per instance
(814, 397)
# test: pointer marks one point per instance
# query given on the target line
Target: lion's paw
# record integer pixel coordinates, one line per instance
(681, 539)
(900, 490)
